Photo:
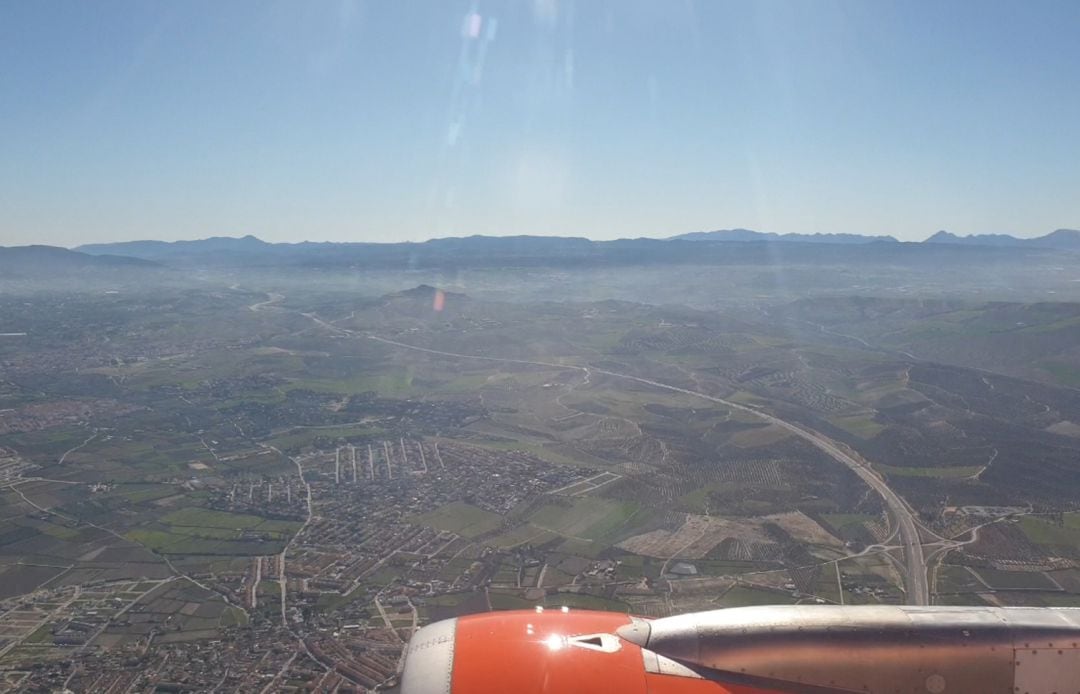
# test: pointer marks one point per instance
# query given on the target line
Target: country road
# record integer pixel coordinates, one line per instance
(282, 580)
(271, 299)
(915, 579)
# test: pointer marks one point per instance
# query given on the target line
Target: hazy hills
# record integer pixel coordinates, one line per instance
(1065, 239)
(732, 247)
(487, 251)
(552, 251)
(39, 261)
(750, 235)
(153, 249)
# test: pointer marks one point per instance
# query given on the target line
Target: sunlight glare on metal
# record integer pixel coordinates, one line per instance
(555, 642)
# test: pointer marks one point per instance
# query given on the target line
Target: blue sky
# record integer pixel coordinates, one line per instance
(388, 121)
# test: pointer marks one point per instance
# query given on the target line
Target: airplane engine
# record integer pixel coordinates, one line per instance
(804, 649)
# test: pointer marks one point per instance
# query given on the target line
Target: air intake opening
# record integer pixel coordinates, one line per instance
(606, 643)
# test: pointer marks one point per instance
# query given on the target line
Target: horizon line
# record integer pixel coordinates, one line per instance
(881, 237)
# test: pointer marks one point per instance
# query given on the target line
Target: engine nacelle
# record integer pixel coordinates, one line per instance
(752, 650)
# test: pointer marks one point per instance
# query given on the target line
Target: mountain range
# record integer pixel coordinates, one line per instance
(503, 246)
(730, 246)
(750, 235)
(1065, 239)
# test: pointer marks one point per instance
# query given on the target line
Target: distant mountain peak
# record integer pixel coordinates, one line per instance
(1065, 239)
(425, 292)
(246, 240)
(751, 235)
(422, 290)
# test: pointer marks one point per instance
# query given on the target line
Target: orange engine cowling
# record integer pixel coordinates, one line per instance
(869, 649)
(543, 651)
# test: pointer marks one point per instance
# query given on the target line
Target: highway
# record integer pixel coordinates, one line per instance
(916, 584)
(915, 581)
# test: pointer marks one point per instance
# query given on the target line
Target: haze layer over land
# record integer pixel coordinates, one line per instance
(280, 460)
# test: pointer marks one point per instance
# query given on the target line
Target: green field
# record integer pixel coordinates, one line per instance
(585, 602)
(960, 599)
(697, 501)
(447, 600)
(138, 493)
(393, 382)
(849, 526)
(957, 579)
(827, 586)
(742, 596)
(504, 601)
(197, 530)
(460, 518)
(1045, 531)
(1015, 580)
(208, 518)
(721, 567)
(1066, 374)
(862, 426)
(1055, 599)
(233, 617)
(938, 472)
(590, 519)
(523, 534)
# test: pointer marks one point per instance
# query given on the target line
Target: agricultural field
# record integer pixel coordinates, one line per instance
(586, 519)
(203, 531)
(1014, 580)
(461, 519)
(1062, 531)
(740, 596)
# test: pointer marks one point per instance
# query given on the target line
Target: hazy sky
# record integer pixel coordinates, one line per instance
(404, 120)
